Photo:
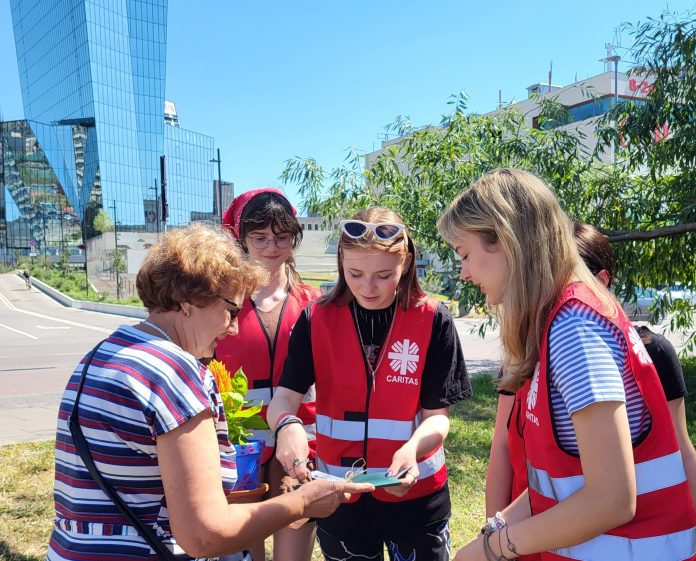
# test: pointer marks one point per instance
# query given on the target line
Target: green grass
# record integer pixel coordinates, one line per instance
(26, 500)
(316, 278)
(26, 476)
(72, 283)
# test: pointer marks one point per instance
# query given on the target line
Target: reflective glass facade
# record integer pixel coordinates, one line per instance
(92, 74)
(36, 215)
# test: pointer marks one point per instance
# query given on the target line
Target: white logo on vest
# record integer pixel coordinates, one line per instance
(403, 359)
(532, 396)
(638, 347)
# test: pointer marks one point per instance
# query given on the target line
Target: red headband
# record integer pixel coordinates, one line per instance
(233, 215)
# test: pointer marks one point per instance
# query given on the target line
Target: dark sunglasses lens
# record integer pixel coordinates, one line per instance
(355, 229)
(234, 312)
(387, 231)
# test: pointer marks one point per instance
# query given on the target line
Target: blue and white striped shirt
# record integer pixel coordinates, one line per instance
(587, 365)
(137, 388)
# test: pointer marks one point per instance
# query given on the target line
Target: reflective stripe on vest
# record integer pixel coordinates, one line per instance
(264, 394)
(269, 438)
(426, 468)
(679, 545)
(383, 429)
(651, 475)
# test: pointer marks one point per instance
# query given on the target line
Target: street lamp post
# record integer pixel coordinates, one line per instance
(157, 208)
(114, 260)
(613, 57)
(218, 191)
(83, 229)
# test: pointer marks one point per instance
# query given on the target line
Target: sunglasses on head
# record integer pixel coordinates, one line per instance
(234, 309)
(384, 231)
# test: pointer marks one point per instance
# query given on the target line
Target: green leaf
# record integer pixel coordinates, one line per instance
(240, 384)
(248, 412)
(254, 423)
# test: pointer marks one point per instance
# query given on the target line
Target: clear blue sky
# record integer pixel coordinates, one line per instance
(272, 80)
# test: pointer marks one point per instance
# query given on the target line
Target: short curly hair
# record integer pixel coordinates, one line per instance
(195, 264)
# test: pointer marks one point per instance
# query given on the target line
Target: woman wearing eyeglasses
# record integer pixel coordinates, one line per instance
(387, 364)
(263, 221)
(142, 451)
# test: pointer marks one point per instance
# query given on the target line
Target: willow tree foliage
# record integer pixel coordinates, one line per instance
(645, 200)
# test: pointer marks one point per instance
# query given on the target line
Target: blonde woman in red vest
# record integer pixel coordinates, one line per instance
(506, 476)
(605, 476)
(264, 223)
(387, 365)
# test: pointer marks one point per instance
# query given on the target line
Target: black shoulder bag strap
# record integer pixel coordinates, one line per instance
(83, 449)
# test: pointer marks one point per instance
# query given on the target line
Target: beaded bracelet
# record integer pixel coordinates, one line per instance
(284, 423)
(280, 418)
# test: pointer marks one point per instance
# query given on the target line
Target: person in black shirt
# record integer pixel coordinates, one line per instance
(387, 364)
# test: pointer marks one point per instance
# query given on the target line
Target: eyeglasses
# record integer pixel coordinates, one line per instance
(281, 242)
(384, 231)
(234, 309)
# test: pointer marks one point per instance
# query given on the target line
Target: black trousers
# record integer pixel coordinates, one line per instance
(410, 530)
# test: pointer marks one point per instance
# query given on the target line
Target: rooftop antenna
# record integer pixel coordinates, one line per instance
(550, 73)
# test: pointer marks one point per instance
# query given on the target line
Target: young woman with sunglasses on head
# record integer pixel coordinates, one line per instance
(387, 364)
(264, 223)
(605, 477)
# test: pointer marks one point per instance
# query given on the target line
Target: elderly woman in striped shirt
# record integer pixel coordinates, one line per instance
(143, 459)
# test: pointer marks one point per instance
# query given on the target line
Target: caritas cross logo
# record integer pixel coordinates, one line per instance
(404, 357)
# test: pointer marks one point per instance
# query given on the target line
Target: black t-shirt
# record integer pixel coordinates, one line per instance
(444, 382)
(664, 356)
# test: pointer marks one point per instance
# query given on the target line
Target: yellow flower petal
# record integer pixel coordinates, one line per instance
(222, 376)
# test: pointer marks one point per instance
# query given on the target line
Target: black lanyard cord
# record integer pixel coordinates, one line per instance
(83, 450)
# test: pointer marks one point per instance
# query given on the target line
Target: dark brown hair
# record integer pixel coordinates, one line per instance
(594, 249)
(274, 210)
(408, 291)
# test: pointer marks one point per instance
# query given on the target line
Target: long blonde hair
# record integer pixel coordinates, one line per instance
(518, 210)
(408, 292)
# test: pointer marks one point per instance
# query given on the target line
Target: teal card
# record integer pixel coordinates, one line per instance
(378, 479)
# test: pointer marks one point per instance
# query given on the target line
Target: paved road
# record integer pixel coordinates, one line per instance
(41, 343)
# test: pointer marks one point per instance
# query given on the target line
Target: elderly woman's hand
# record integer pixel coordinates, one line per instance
(322, 498)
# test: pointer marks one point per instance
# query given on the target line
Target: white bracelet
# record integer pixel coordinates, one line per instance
(494, 524)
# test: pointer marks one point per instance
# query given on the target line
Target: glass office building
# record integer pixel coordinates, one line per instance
(92, 74)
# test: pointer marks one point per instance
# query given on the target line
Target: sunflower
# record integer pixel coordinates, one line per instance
(221, 375)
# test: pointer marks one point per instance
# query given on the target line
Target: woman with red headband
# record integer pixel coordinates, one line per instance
(264, 223)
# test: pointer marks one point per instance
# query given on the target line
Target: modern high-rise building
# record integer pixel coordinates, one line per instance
(92, 74)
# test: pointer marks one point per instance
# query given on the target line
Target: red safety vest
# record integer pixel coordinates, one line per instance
(263, 361)
(358, 418)
(518, 460)
(664, 526)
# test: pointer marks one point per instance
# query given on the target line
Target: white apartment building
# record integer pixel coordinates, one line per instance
(585, 100)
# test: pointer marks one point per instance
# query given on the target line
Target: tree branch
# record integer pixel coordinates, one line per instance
(615, 236)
